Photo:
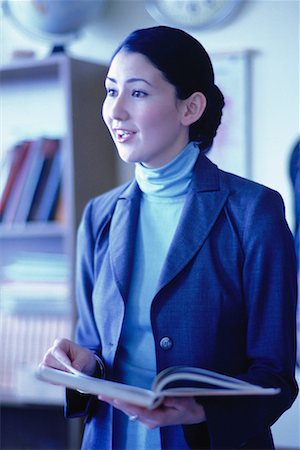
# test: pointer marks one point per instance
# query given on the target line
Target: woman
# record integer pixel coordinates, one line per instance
(186, 265)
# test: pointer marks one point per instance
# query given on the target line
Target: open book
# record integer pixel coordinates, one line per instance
(178, 381)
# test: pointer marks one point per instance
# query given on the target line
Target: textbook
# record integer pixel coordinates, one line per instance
(178, 381)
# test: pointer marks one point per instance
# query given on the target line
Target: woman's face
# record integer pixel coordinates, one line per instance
(142, 112)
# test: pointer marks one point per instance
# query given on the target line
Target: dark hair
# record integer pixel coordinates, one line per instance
(185, 63)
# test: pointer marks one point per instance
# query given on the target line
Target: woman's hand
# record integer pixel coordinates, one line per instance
(173, 411)
(69, 352)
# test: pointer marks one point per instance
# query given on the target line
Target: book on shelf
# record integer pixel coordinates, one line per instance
(35, 297)
(36, 183)
(37, 266)
(46, 196)
(15, 160)
(5, 167)
(36, 282)
(181, 381)
(59, 214)
(43, 153)
(17, 193)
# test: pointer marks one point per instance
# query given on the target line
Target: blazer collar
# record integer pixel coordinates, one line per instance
(122, 236)
(205, 176)
(204, 202)
(203, 205)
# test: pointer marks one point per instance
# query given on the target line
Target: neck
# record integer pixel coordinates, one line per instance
(170, 180)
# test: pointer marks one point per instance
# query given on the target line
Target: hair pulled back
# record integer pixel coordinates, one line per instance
(185, 63)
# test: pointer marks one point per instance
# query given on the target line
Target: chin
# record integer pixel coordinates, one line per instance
(129, 159)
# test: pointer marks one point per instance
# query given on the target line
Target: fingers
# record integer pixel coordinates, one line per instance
(150, 418)
(56, 354)
(129, 409)
(65, 352)
(173, 411)
(84, 360)
(178, 402)
(187, 408)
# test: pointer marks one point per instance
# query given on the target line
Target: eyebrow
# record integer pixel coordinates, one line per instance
(130, 80)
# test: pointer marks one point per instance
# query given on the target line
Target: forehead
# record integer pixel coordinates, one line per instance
(128, 65)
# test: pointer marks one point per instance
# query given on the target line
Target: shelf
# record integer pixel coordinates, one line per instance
(32, 67)
(57, 97)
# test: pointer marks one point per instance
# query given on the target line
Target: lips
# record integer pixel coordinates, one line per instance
(123, 135)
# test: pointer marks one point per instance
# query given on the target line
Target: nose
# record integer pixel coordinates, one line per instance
(119, 110)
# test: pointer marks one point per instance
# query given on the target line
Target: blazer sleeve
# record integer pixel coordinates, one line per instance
(92, 232)
(86, 335)
(270, 293)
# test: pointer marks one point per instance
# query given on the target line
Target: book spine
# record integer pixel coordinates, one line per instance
(11, 189)
(18, 193)
(34, 174)
(46, 199)
(6, 165)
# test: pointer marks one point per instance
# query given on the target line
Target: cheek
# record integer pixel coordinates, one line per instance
(159, 118)
(104, 113)
(162, 122)
(150, 120)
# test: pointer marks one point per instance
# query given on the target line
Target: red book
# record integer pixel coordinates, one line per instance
(5, 166)
(24, 176)
(18, 156)
(44, 150)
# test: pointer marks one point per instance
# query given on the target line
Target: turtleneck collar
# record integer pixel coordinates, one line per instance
(170, 180)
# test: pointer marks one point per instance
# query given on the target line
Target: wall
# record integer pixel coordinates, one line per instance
(269, 28)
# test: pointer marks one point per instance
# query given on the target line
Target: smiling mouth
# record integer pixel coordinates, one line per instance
(123, 135)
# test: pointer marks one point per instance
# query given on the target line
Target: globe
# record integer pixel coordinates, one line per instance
(58, 21)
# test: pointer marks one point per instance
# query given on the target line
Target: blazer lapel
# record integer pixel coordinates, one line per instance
(203, 205)
(122, 236)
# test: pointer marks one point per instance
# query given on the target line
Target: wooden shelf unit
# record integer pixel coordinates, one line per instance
(57, 97)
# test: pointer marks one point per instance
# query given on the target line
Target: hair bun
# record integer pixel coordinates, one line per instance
(205, 129)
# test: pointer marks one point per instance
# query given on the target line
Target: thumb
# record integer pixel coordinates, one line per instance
(85, 361)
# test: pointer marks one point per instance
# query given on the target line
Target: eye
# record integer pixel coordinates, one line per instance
(139, 94)
(110, 92)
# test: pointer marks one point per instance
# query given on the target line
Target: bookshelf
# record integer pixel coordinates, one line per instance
(58, 98)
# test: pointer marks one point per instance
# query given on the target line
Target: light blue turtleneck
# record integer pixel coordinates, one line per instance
(163, 194)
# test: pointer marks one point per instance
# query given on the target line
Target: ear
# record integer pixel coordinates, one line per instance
(193, 108)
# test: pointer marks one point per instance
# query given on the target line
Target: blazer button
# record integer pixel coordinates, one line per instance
(166, 343)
